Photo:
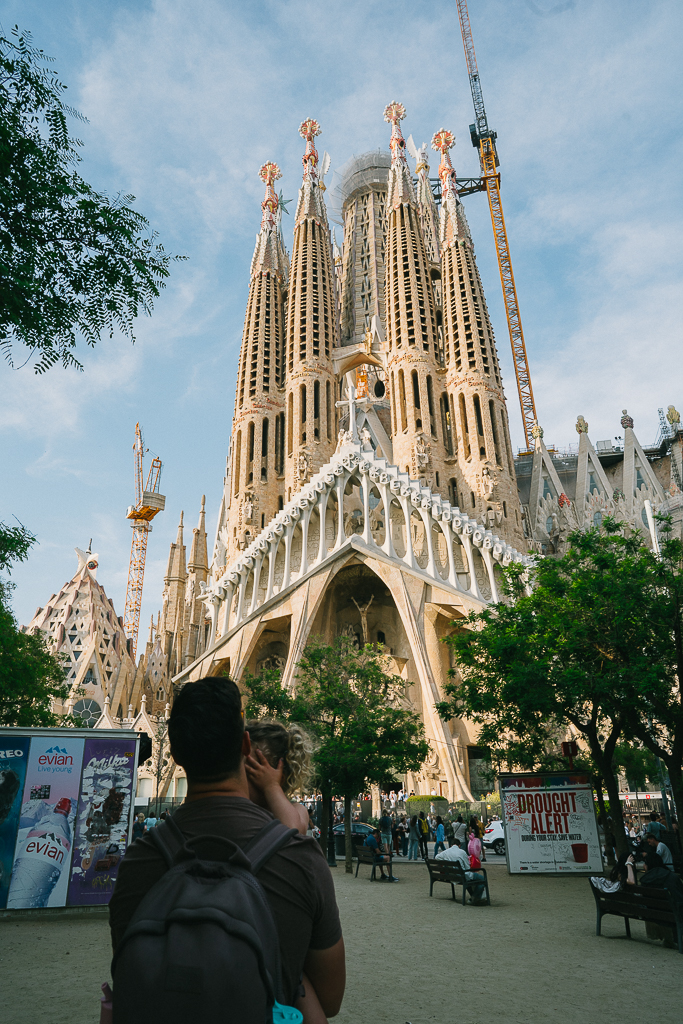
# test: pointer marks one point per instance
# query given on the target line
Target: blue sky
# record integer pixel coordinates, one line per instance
(186, 101)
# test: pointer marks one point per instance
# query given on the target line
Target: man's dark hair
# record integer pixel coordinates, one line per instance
(653, 816)
(206, 729)
(651, 835)
(653, 860)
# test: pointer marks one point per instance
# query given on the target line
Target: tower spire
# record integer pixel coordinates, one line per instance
(474, 403)
(256, 461)
(312, 329)
(311, 202)
(400, 183)
(413, 351)
(442, 142)
(269, 254)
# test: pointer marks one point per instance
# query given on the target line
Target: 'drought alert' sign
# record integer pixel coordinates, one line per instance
(550, 824)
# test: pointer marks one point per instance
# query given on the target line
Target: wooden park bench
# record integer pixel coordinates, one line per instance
(450, 872)
(366, 855)
(641, 903)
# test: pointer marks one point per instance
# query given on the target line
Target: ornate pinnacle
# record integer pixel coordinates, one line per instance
(269, 173)
(308, 130)
(394, 114)
(442, 141)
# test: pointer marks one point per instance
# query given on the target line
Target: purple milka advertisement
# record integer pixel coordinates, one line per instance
(105, 805)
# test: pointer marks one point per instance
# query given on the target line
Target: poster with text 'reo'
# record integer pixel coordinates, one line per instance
(13, 763)
(550, 824)
(104, 809)
(42, 854)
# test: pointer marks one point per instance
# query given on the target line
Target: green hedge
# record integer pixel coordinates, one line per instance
(415, 804)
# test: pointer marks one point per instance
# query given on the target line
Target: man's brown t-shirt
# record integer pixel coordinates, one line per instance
(296, 880)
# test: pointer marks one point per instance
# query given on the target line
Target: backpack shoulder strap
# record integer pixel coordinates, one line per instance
(267, 842)
(168, 839)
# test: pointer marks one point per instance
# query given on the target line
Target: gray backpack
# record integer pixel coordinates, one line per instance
(202, 946)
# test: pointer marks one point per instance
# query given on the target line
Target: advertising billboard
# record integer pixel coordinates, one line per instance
(42, 855)
(13, 763)
(550, 824)
(104, 818)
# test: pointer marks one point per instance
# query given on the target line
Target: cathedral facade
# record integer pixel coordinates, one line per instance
(370, 486)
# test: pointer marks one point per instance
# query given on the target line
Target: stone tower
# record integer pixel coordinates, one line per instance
(483, 484)
(172, 626)
(312, 330)
(256, 476)
(364, 212)
(197, 574)
(412, 342)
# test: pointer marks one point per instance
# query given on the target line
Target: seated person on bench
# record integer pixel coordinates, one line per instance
(373, 840)
(653, 842)
(457, 854)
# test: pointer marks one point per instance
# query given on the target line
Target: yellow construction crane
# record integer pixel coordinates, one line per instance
(484, 140)
(148, 503)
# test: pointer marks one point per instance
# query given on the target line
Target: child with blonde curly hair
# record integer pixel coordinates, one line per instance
(279, 765)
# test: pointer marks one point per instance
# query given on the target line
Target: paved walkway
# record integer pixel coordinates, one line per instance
(532, 957)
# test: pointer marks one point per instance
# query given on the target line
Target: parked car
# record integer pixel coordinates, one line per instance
(494, 837)
(358, 829)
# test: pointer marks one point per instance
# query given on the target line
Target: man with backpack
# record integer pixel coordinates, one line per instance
(423, 827)
(219, 911)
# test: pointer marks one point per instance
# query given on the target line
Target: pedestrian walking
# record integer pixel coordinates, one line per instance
(440, 843)
(460, 831)
(424, 834)
(403, 827)
(414, 834)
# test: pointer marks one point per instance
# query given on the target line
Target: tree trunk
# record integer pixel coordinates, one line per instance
(616, 813)
(676, 780)
(325, 824)
(602, 817)
(348, 845)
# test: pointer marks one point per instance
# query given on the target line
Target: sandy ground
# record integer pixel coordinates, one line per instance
(532, 957)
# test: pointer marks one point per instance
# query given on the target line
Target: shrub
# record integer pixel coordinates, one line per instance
(415, 804)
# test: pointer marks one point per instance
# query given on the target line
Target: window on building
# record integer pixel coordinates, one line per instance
(464, 426)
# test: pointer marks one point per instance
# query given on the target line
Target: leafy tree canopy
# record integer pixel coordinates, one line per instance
(584, 648)
(73, 261)
(30, 677)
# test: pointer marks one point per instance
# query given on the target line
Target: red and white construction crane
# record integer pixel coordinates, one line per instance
(484, 140)
(148, 503)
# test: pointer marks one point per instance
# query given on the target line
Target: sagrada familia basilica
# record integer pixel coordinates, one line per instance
(371, 486)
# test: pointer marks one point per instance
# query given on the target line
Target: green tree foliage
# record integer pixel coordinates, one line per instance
(30, 677)
(73, 261)
(592, 646)
(638, 764)
(365, 730)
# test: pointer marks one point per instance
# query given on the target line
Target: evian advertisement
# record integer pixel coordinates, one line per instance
(102, 825)
(42, 853)
(550, 824)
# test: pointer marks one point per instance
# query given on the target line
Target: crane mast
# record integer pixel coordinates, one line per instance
(148, 503)
(484, 140)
